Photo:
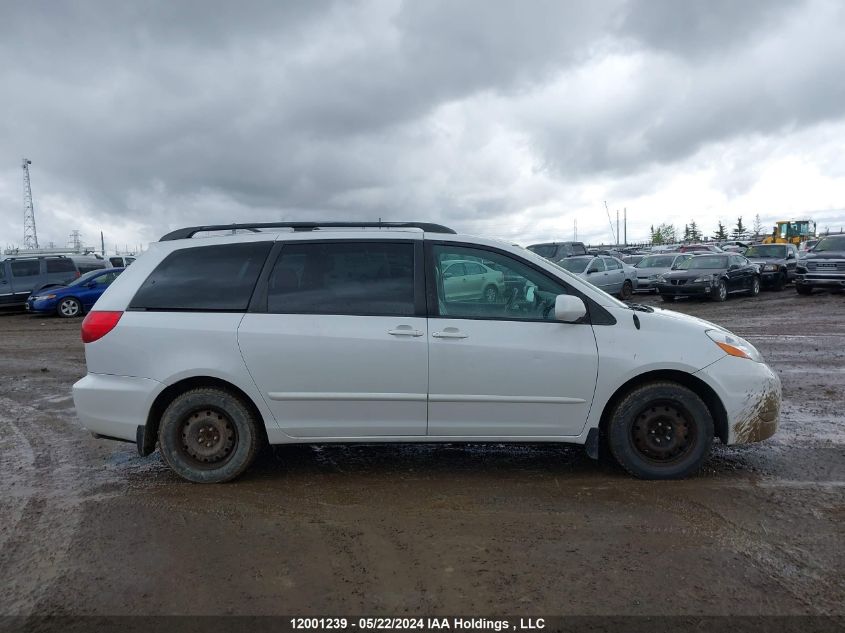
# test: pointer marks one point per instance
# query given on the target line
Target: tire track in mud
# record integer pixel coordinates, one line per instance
(47, 475)
(790, 567)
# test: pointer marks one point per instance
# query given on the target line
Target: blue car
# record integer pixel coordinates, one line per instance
(75, 298)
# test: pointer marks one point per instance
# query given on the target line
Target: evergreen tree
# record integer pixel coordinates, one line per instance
(739, 230)
(721, 233)
(758, 225)
(687, 237)
(694, 233)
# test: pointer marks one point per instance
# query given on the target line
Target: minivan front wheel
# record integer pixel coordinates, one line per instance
(660, 430)
(207, 435)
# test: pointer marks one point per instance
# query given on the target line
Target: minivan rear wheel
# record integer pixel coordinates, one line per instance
(660, 430)
(207, 435)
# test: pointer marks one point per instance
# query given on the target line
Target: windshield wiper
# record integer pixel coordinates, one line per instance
(640, 307)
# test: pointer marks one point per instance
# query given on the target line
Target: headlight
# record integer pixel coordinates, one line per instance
(655, 276)
(734, 346)
(40, 297)
(770, 267)
(703, 279)
(660, 278)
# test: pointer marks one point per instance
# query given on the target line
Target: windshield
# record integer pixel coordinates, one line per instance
(704, 261)
(830, 243)
(544, 250)
(657, 261)
(575, 264)
(83, 279)
(766, 250)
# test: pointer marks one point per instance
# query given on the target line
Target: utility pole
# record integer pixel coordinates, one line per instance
(576, 229)
(626, 226)
(617, 227)
(102, 245)
(30, 236)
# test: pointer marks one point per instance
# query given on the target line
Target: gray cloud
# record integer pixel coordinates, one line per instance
(162, 113)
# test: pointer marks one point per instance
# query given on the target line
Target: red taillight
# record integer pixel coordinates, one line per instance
(97, 324)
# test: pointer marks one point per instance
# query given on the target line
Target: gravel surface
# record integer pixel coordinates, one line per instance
(88, 527)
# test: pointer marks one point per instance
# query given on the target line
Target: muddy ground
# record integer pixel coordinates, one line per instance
(88, 527)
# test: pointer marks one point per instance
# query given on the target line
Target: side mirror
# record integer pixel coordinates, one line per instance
(569, 309)
(790, 255)
(733, 267)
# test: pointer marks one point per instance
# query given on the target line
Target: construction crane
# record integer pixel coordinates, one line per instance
(30, 236)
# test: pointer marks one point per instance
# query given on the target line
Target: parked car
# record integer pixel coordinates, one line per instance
(605, 273)
(806, 247)
(209, 348)
(554, 251)
(822, 267)
(777, 263)
(699, 248)
(734, 246)
(711, 276)
(76, 297)
(470, 280)
(121, 261)
(650, 268)
(632, 260)
(20, 275)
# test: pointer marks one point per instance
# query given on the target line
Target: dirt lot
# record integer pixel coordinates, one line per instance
(88, 527)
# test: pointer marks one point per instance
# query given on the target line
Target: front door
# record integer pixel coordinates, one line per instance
(505, 368)
(339, 348)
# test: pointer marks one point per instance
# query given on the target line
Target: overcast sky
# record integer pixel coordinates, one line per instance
(505, 119)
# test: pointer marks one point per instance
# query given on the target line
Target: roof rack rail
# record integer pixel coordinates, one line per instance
(190, 231)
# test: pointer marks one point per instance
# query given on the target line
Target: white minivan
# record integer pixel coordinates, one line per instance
(210, 347)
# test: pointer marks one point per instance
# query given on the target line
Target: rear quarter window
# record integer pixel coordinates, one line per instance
(204, 278)
(60, 266)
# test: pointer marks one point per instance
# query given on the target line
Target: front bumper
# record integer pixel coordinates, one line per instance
(114, 406)
(751, 395)
(831, 280)
(686, 290)
(41, 307)
(644, 284)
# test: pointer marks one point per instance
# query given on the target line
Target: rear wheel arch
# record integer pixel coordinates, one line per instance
(696, 385)
(175, 390)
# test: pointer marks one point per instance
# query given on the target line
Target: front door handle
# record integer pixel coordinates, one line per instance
(450, 332)
(405, 330)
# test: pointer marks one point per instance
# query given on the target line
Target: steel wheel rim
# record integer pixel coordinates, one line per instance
(69, 307)
(207, 437)
(490, 294)
(755, 287)
(723, 290)
(663, 432)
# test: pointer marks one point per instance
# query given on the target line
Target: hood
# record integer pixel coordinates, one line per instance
(825, 255)
(50, 290)
(645, 272)
(692, 274)
(767, 260)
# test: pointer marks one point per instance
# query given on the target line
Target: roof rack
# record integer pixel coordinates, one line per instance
(190, 231)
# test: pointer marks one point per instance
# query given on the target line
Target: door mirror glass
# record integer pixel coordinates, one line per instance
(569, 308)
(733, 266)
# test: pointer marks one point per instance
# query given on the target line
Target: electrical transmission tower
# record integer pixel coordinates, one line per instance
(30, 237)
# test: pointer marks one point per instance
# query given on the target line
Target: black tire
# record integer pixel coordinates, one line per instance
(780, 282)
(207, 435)
(803, 290)
(627, 290)
(721, 292)
(491, 294)
(668, 298)
(754, 290)
(660, 412)
(69, 308)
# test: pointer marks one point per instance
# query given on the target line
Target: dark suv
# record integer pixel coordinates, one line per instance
(22, 275)
(824, 266)
(555, 251)
(777, 263)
